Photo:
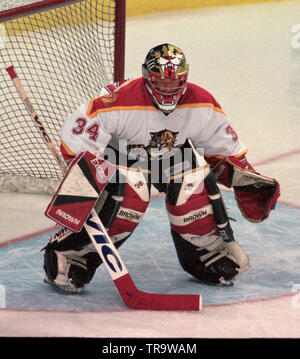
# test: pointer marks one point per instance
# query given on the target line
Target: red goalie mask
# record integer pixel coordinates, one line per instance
(165, 72)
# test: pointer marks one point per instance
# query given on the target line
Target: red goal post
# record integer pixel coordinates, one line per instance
(64, 51)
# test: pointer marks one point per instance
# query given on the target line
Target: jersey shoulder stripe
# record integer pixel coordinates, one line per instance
(66, 152)
(197, 97)
(130, 96)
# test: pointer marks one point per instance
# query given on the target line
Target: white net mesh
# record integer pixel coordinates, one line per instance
(10, 4)
(63, 57)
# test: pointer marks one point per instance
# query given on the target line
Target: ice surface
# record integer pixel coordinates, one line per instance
(150, 254)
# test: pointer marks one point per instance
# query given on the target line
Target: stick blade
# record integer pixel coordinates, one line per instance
(136, 299)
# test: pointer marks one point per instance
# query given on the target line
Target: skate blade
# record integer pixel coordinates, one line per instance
(65, 289)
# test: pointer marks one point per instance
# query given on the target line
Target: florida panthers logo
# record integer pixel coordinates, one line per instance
(163, 140)
(108, 99)
(161, 143)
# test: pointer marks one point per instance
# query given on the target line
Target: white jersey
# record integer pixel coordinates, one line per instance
(127, 119)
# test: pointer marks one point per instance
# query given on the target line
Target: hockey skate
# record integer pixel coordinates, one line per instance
(69, 270)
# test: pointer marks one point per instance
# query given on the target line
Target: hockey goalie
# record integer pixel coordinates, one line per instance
(157, 131)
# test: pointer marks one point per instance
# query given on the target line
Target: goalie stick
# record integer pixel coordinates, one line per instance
(131, 295)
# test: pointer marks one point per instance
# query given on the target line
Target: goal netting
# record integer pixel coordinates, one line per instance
(63, 51)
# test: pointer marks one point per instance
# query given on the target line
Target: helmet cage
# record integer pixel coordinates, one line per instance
(166, 91)
(167, 85)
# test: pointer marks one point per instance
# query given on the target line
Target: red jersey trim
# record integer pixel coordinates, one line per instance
(92, 114)
(68, 155)
(201, 105)
(133, 95)
(222, 156)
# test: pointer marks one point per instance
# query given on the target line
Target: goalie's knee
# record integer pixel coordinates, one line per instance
(124, 204)
(202, 234)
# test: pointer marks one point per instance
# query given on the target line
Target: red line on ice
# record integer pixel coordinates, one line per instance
(277, 157)
(27, 236)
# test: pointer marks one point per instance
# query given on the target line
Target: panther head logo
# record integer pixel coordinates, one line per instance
(164, 139)
(161, 143)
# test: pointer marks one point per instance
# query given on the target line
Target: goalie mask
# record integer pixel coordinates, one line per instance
(165, 73)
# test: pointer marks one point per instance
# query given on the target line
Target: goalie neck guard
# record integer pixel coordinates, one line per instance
(165, 72)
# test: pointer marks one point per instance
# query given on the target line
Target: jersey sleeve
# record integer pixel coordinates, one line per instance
(111, 88)
(81, 133)
(217, 137)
